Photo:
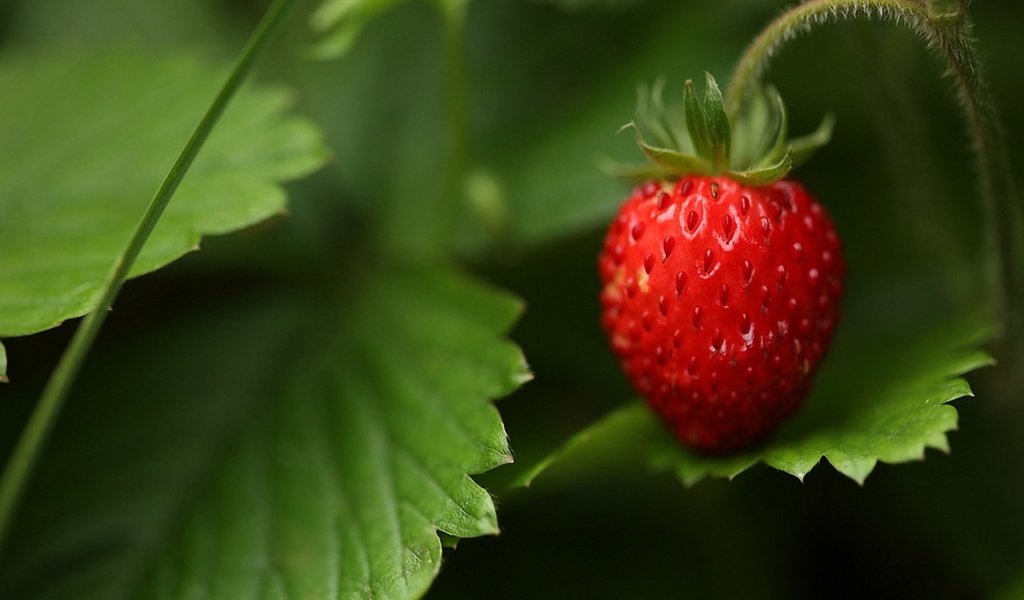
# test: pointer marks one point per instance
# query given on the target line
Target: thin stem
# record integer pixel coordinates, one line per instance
(33, 438)
(946, 28)
(801, 19)
(453, 14)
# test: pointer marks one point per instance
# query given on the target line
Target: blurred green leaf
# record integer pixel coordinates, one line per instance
(590, 4)
(3, 363)
(883, 403)
(340, 21)
(304, 449)
(86, 141)
(165, 24)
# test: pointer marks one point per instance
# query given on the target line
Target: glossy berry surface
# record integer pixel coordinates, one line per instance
(720, 299)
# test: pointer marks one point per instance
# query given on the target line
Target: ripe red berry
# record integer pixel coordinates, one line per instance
(721, 299)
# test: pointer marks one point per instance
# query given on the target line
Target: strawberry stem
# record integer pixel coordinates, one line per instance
(946, 26)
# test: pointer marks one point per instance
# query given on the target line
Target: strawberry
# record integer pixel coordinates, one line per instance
(721, 285)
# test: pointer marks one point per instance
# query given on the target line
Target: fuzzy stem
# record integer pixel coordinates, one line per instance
(19, 468)
(947, 29)
(801, 19)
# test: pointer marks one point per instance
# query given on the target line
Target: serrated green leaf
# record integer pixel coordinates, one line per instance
(89, 138)
(296, 449)
(888, 405)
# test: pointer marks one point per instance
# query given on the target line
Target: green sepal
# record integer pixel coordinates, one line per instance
(673, 133)
(803, 147)
(655, 123)
(764, 175)
(718, 129)
(633, 173)
(696, 124)
(777, 130)
(677, 162)
(702, 139)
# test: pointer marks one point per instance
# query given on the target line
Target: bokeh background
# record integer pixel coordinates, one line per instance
(549, 84)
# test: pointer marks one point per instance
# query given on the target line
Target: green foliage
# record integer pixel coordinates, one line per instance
(590, 4)
(79, 169)
(320, 438)
(851, 420)
(340, 21)
(298, 447)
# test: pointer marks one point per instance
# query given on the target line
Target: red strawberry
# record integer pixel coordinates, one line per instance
(720, 297)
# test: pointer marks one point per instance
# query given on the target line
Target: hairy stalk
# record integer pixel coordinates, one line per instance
(19, 468)
(947, 29)
(805, 17)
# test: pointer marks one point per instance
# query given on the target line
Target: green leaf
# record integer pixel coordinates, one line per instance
(880, 402)
(3, 363)
(598, 4)
(290, 448)
(718, 128)
(166, 24)
(78, 168)
(341, 21)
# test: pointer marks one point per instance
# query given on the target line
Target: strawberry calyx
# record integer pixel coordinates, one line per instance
(700, 138)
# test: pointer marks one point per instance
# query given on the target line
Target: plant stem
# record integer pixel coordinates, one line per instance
(19, 468)
(946, 27)
(801, 19)
(453, 14)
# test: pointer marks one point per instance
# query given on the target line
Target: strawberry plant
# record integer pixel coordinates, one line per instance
(416, 195)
